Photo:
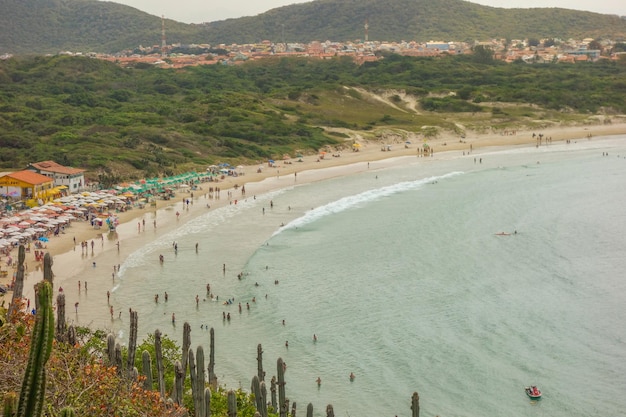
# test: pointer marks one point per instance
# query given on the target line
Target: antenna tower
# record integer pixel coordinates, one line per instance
(366, 26)
(163, 43)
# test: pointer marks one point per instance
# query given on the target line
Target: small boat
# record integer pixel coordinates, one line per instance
(533, 392)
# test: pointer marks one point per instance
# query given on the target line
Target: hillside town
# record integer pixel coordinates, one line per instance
(530, 51)
(525, 50)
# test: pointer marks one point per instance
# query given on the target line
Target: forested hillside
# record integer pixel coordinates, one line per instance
(145, 121)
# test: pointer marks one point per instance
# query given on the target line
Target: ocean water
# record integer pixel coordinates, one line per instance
(401, 275)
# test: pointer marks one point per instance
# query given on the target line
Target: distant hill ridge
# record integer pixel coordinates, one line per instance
(51, 26)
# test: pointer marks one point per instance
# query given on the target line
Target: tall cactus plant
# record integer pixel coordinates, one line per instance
(179, 378)
(212, 376)
(415, 405)
(48, 275)
(159, 362)
(207, 402)
(18, 286)
(259, 362)
(263, 399)
(232, 404)
(118, 359)
(34, 385)
(146, 367)
(256, 390)
(132, 341)
(197, 376)
(61, 325)
(111, 349)
(186, 347)
(309, 410)
(198, 394)
(329, 411)
(273, 393)
(282, 403)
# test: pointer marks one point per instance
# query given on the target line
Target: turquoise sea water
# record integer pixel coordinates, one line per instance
(400, 274)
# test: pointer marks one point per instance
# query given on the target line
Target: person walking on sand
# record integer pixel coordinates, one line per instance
(111, 310)
(108, 297)
(76, 306)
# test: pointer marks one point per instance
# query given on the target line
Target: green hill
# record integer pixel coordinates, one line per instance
(50, 26)
(420, 20)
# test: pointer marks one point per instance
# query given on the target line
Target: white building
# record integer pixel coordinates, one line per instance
(72, 178)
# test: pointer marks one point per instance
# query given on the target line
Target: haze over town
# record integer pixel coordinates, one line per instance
(198, 11)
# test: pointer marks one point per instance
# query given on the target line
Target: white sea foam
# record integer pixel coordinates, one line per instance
(357, 200)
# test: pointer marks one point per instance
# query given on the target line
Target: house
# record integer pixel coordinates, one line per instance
(27, 185)
(72, 178)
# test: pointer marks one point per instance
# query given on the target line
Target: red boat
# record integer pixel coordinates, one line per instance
(533, 392)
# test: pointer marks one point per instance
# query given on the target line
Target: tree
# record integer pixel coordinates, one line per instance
(483, 54)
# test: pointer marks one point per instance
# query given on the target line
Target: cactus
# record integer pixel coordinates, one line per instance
(111, 349)
(34, 385)
(263, 399)
(329, 411)
(309, 410)
(232, 404)
(48, 275)
(146, 367)
(132, 342)
(415, 405)
(282, 404)
(61, 325)
(186, 346)
(256, 390)
(71, 335)
(207, 402)
(18, 287)
(212, 376)
(273, 393)
(159, 361)
(10, 400)
(201, 395)
(118, 358)
(293, 409)
(179, 379)
(67, 412)
(259, 362)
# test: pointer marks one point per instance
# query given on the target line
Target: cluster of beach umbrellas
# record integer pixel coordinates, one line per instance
(32, 224)
(35, 223)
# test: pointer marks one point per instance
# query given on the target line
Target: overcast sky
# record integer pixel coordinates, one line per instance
(198, 11)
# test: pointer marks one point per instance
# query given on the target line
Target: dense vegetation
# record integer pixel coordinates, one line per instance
(50, 26)
(79, 376)
(132, 122)
(420, 20)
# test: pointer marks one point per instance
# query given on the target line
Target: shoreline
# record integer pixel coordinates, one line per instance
(71, 266)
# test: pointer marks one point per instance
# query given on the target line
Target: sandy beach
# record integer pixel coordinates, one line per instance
(138, 227)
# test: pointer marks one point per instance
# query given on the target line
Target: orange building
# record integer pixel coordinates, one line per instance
(26, 185)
